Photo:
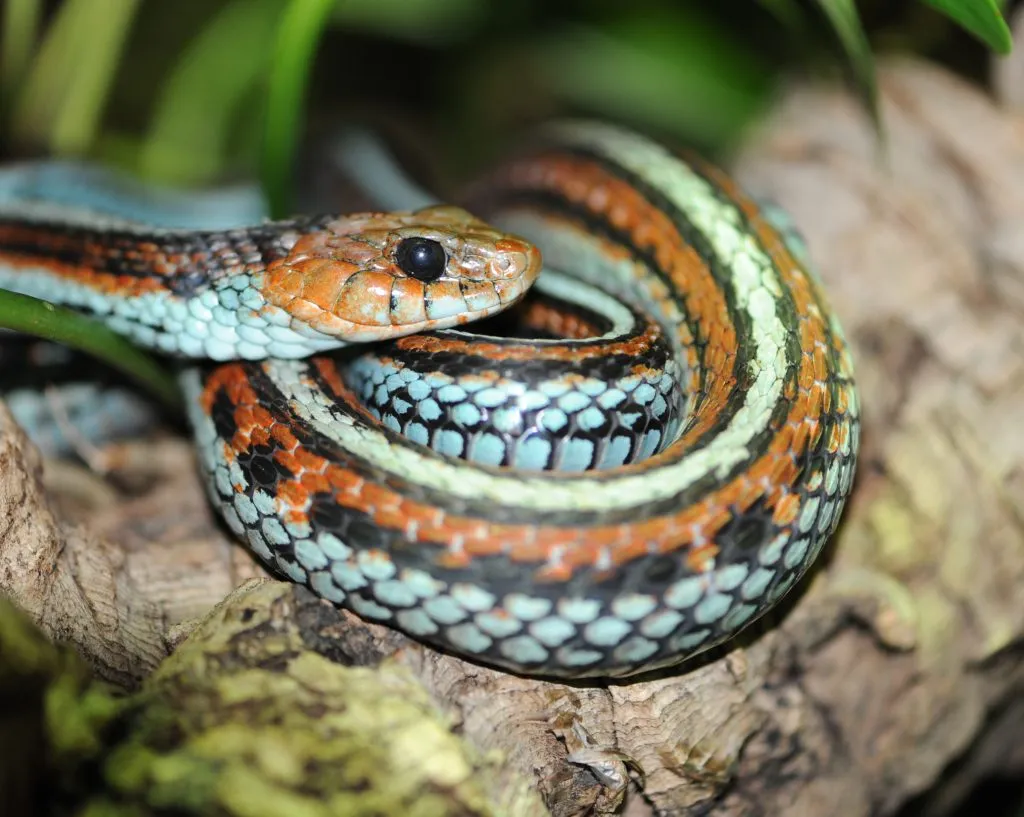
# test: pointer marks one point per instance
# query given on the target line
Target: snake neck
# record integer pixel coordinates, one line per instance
(191, 294)
(113, 255)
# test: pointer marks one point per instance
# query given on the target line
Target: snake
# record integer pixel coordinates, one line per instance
(637, 484)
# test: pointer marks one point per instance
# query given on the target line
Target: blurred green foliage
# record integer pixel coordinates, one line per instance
(199, 90)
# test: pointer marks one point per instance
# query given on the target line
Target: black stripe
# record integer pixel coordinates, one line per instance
(550, 202)
(270, 397)
(454, 364)
(193, 259)
(494, 198)
(740, 541)
(603, 366)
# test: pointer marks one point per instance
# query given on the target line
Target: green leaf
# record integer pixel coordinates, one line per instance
(34, 317)
(674, 70)
(203, 100)
(980, 17)
(842, 14)
(294, 52)
(63, 96)
(18, 33)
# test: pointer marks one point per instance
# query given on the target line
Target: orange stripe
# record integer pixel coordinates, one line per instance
(542, 317)
(771, 476)
(87, 276)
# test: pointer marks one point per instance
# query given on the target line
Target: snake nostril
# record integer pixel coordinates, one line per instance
(510, 263)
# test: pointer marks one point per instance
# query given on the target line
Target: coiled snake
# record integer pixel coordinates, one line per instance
(635, 486)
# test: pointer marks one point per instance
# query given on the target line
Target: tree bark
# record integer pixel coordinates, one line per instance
(901, 654)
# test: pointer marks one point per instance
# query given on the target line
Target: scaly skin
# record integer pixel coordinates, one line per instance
(603, 573)
(598, 573)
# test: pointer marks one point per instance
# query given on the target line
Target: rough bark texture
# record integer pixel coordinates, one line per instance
(899, 661)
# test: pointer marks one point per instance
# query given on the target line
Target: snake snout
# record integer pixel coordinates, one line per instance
(515, 259)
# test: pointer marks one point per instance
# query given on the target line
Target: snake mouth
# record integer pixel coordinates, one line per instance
(402, 307)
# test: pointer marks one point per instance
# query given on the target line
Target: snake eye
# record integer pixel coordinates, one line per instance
(422, 258)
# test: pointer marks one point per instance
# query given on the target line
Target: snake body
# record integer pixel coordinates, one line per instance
(624, 557)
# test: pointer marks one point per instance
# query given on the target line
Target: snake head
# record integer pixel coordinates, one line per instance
(375, 276)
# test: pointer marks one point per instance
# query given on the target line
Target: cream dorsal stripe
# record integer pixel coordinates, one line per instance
(755, 289)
